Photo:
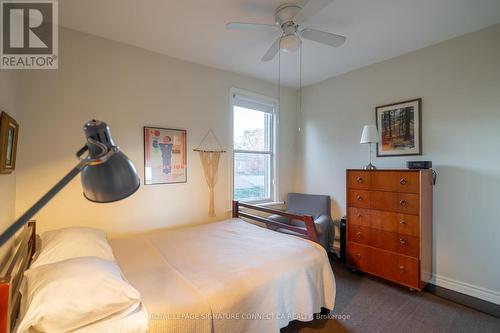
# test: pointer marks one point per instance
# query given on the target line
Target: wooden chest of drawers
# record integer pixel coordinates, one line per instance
(389, 224)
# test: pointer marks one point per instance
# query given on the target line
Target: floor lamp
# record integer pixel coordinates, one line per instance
(107, 174)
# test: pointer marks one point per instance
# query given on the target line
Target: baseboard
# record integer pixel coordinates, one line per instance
(479, 298)
(484, 294)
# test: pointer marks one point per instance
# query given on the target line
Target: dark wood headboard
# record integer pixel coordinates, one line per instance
(310, 231)
(14, 267)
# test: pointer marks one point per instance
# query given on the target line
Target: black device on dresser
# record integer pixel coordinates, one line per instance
(419, 164)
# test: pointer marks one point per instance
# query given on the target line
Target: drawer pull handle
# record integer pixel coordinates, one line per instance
(360, 198)
(360, 180)
(402, 222)
(359, 216)
(403, 203)
(402, 241)
(402, 181)
(358, 234)
(358, 255)
(401, 268)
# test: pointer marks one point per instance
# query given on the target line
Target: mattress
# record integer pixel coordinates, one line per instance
(229, 276)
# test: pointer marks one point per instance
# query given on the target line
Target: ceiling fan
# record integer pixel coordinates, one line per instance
(289, 18)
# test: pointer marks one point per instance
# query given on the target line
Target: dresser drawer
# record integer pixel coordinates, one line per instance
(384, 240)
(394, 267)
(384, 201)
(358, 179)
(408, 225)
(358, 256)
(384, 181)
(384, 264)
(408, 203)
(382, 220)
(408, 182)
(358, 216)
(359, 234)
(409, 271)
(408, 245)
(359, 198)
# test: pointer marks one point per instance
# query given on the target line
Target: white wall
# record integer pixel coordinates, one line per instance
(459, 81)
(129, 88)
(8, 103)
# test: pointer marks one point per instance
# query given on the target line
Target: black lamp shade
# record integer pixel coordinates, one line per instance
(115, 178)
(111, 181)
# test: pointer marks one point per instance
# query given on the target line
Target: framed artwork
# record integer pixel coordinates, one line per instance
(9, 131)
(165, 159)
(399, 128)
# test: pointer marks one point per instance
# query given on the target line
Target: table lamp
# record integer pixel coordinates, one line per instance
(107, 174)
(369, 136)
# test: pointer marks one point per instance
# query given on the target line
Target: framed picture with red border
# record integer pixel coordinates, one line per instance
(165, 158)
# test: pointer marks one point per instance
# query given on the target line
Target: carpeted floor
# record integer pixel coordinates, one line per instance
(367, 304)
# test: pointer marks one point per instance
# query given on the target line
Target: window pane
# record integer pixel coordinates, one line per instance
(252, 174)
(251, 129)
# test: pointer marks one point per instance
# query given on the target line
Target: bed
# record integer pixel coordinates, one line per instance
(228, 276)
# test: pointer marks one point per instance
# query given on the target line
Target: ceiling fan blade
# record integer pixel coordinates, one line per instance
(251, 26)
(323, 37)
(310, 8)
(273, 50)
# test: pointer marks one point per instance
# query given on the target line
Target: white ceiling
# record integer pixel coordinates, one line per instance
(193, 30)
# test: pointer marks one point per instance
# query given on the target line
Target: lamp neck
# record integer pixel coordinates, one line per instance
(370, 144)
(95, 158)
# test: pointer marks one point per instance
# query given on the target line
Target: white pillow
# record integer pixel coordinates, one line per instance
(72, 242)
(73, 293)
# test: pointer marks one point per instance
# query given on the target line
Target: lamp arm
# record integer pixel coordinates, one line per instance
(21, 221)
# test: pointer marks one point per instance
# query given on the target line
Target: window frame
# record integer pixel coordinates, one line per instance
(273, 137)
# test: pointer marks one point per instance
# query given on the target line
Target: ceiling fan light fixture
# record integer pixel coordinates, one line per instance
(290, 43)
(289, 18)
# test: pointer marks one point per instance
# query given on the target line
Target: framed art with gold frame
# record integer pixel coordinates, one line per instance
(9, 131)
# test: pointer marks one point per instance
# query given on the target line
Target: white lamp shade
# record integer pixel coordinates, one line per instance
(370, 134)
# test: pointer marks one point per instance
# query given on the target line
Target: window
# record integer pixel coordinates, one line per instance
(253, 148)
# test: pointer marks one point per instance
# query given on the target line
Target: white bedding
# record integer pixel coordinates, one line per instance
(135, 322)
(228, 276)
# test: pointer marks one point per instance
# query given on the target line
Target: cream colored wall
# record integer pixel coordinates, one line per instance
(459, 81)
(8, 103)
(129, 88)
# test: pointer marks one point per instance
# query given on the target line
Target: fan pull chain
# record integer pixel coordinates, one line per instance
(300, 87)
(279, 75)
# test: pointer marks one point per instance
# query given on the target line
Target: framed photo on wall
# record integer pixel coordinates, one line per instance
(399, 128)
(9, 131)
(165, 159)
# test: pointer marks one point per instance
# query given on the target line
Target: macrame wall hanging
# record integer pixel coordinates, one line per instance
(210, 158)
